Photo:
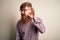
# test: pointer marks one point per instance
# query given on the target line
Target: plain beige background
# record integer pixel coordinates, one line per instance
(48, 10)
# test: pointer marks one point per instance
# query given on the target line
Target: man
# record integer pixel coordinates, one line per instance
(29, 26)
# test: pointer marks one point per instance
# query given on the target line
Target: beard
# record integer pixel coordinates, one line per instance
(25, 19)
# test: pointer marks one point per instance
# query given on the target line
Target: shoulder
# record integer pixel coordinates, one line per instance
(37, 19)
(19, 22)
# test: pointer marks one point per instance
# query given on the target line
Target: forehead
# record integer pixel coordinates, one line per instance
(27, 7)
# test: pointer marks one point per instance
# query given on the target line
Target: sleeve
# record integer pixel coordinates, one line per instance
(17, 33)
(38, 23)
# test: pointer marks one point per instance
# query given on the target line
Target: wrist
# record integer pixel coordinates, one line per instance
(33, 20)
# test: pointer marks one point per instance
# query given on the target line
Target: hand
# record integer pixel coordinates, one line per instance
(32, 14)
(28, 12)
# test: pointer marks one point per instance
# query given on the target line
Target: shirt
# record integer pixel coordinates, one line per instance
(29, 31)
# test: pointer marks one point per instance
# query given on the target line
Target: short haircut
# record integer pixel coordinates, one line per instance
(25, 4)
